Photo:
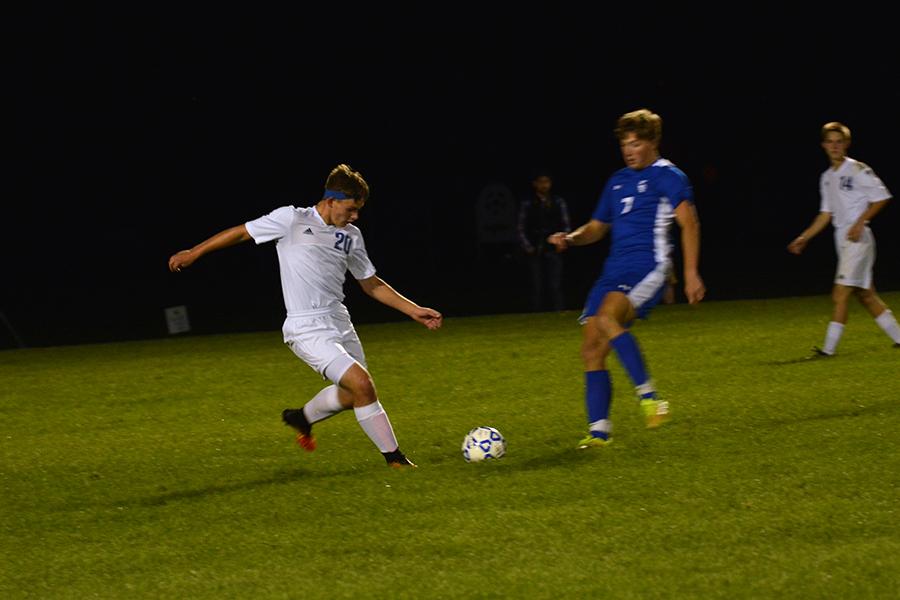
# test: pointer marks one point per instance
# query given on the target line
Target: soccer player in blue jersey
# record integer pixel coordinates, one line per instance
(638, 204)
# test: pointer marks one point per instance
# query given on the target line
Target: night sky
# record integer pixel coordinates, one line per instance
(136, 135)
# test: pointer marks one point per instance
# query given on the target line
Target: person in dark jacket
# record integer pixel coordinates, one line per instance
(540, 214)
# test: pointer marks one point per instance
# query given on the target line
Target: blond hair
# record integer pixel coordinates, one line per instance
(838, 127)
(646, 125)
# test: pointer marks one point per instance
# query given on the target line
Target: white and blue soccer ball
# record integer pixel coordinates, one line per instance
(483, 443)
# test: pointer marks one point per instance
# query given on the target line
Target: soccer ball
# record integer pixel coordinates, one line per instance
(483, 443)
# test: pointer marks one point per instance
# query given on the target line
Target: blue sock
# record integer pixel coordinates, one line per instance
(598, 393)
(630, 356)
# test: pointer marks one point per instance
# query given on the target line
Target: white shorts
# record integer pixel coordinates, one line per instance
(855, 259)
(325, 341)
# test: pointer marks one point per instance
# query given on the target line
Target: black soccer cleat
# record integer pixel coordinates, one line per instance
(818, 353)
(398, 460)
(296, 419)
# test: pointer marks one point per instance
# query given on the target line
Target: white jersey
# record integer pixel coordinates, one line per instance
(313, 257)
(847, 191)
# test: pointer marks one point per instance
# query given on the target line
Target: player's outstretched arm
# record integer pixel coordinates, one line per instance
(819, 223)
(223, 239)
(686, 216)
(384, 293)
(590, 232)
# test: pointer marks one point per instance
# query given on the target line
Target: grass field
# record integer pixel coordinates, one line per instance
(161, 469)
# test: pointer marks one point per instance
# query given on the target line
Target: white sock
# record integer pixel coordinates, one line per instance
(377, 426)
(832, 337)
(889, 324)
(602, 426)
(323, 405)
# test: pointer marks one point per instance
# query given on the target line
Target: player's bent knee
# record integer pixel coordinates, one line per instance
(355, 377)
(359, 383)
(608, 324)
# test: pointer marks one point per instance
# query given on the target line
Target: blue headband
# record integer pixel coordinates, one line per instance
(336, 195)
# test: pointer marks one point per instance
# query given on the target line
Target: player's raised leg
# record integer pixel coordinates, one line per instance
(327, 403)
(324, 348)
(598, 386)
(615, 312)
(323, 405)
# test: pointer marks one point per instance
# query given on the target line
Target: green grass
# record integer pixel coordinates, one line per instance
(161, 469)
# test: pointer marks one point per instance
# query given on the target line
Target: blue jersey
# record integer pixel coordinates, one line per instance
(640, 205)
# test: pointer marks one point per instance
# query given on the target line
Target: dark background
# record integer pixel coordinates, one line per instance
(136, 134)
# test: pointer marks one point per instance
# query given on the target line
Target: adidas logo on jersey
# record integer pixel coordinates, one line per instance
(308, 231)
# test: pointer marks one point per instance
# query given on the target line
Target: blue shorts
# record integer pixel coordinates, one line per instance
(643, 284)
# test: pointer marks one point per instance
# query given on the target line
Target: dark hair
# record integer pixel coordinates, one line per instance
(344, 179)
(541, 173)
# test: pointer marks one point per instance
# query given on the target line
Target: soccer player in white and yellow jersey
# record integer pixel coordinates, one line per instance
(851, 195)
(316, 247)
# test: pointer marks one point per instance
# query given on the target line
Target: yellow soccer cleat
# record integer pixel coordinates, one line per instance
(656, 412)
(593, 442)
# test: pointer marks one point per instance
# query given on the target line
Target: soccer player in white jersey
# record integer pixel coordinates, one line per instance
(851, 195)
(316, 246)
(638, 204)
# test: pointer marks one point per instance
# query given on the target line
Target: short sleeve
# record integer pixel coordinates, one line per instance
(676, 186)
(272, 226)
(358, 262)
(872, 187)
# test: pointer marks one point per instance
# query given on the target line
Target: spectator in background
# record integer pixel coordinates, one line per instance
(542, 213)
